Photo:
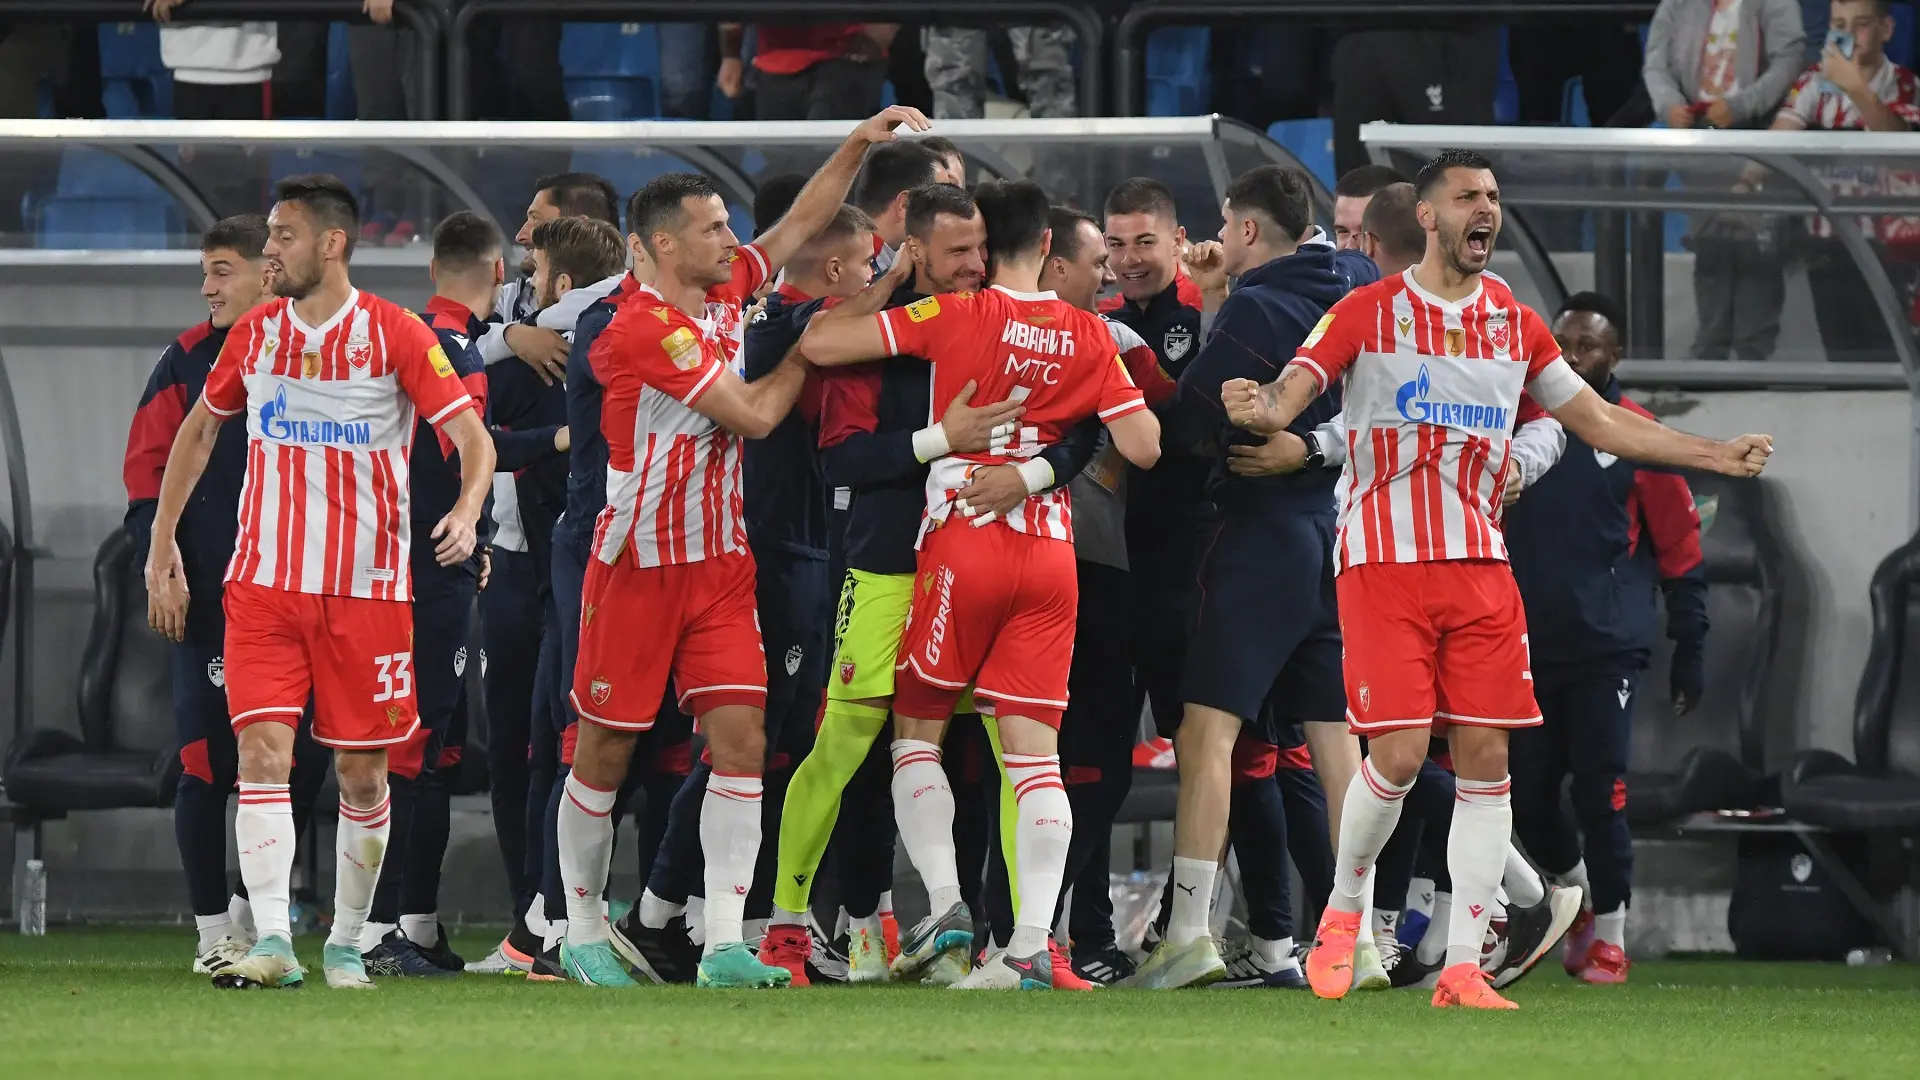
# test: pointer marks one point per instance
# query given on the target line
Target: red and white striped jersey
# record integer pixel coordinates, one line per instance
(1815, 103)
(673, 476)
(1062, 363)
(330, 423)
(1433, 395)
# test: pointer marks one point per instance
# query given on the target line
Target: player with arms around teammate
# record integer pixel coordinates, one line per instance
(318, 596)
(996, 597)
(1435, 634)
(669, 590)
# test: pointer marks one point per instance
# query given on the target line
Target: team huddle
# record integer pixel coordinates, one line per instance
(872, 526)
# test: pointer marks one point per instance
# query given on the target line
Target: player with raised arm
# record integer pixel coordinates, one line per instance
(318, 596)
(996, 595)
(669, 591)
(1435, 634)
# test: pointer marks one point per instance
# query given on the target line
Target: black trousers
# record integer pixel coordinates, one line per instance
(829, 90)
(1410, 77)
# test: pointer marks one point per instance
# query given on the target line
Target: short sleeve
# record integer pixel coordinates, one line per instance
(670, 357)
(424, 371)
(226, 391)
(751, 270)
(1118, 396)
(1551, 381)
(1335, 341)
(912, 330)
(1538, 342)
(1803, 101)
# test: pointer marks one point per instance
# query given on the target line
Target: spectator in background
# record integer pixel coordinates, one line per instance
(686, 70)
(1603, 55)
(382, 58)
(1727, 64)
(1445, 73)
(220, 70)
(957, 70)
(818, 71)
(1864, 92)
(1351, 195)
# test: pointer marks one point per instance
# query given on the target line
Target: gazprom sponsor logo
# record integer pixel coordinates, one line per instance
(1416, 403)
(277, 426)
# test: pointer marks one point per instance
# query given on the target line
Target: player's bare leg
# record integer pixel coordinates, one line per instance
(1042, 832)
(1370, 811)
(584, 837)
(939, 947)
(1204, 747)
(263, 831)
(1477, 859)
(360, 847)
(730, 840)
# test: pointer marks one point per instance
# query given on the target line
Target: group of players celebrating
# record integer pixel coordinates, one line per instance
(910, 395)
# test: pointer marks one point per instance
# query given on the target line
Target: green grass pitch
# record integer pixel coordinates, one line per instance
(120, 1003)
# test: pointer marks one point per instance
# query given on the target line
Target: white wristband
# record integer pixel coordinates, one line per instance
(1038, 473)
(930, 443)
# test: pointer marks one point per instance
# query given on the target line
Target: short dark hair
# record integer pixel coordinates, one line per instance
(327, 199)
(1141, 195)
(582, 194)
(1365, 180)
(1436, 170)
(1065, 221)
(464, 240)
(847, 222)
(942, 147)
(929, 201)
(243, 233)
(890, 169)
(1391, 216)
(1599, 304)
(1881, 8)
(774, 198)
(660, 204)
(584, 249)
(1016, 213)
(1279, 193)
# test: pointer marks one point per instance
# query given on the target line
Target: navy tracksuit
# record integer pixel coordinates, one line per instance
(1591, 542)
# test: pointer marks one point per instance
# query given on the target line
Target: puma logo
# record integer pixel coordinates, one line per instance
(1188, 889)
(1475, 910)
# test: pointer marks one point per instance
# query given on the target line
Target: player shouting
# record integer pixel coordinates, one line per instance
(996, 597)
(1436, 638)
(318, 595)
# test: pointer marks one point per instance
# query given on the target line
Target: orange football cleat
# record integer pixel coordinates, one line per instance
(890, 933)
(1607, 965)
(1330, 964)
(788, 947)
(1465, 986)
(1063, 974)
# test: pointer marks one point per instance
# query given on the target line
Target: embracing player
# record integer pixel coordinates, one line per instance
(1436, 639)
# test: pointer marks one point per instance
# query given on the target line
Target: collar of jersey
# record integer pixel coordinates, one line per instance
(1472, 298)
(705, 325)
(293, 317)
(1048, 295)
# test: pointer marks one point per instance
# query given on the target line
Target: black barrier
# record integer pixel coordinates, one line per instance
(1086, 24)
(1130, 33)
(420, 16)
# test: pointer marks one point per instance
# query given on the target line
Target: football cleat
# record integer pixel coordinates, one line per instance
(1330, 964)
(788, 947)
(1247, 971)
(733, 966)
(1404, 968)
(345, 968)
(664, 955)
(1063, 977)
(269, 965)
(1104, 967)
(942, 940)
(1000, 971)
(546, 967)
(1573, 958)
(594, 964)
(1465, 986)
(1369, 973)
(866, 956)
(1174, 967)
(890, 930)
(496, 963)
(396, 957)
(221, 955)
(1606, 965)
(1533, 931)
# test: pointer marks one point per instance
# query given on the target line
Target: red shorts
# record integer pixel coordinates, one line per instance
(695, 622)
(994, 609)
(353, 654)
(1434, 644)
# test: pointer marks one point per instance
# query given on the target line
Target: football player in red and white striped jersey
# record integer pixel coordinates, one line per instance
(1436, 359)
(317, 597)
(669, 592)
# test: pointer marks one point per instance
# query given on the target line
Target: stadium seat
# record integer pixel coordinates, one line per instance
(75, 222)
(1179, 79)
(341, 102)
(134, 83)
(1713, 758)
(612, 70)
(1310, 142)
(1506, 92)
(1880, 788)
(126, 753)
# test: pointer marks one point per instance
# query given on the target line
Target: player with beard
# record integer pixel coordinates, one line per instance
(516, 329)
(1433, 626)
(318, 596)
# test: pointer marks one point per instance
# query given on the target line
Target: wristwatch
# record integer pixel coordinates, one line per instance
(1316, 457)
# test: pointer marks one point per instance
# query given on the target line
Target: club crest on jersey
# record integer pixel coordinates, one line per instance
(1178, 344)
(1499, 334)
(459, 661)
(846, 672)
(359, 353)
(922, 310)
(683, 348)
(217, 672)
(1366, 698)
(794, 655)
(1416, 404)
(599, 690)
(1456, 341)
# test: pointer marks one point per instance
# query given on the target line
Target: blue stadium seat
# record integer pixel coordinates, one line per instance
(612, 70)
(81, 221)
(1900, 49)
(1179, 71)
(97, 174)
(1311, 141)
(1506, 91)
(1573, 104)
(133, 81)
(341, 103)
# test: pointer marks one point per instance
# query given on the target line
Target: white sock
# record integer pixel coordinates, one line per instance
(1192, 899)
(697, 919)
(871, 924)
(212, 928)
(754, 930)
(241, 913)
(422, 930)
(1220, 905)
(1612, 927)
(1040, 839)
(923, 809)
(585, 837)
(1276, 954)
(1522, 881)
(783, 917)
(535, 917)
(1365, 935)
(886, 903)
(1433, 943)
(1367, 819)
(1384, 924)
(730, 840)
(360, 846)
(263, 830)
(1578, 876)
(372, 933)
(1476, 856)
(656, 913)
